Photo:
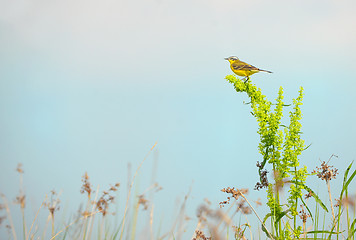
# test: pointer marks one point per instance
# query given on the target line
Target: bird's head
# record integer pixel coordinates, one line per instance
(232, 59)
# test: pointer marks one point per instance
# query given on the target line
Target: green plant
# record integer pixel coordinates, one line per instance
(281, 146)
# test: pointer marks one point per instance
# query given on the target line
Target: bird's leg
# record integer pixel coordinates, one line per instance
(247, 78)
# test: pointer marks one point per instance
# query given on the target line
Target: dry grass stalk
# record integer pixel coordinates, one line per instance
(326, 173)
(91, 220)
(236, 193)
(130, 188)
(75, 221)
(9, 217)
(33, 222)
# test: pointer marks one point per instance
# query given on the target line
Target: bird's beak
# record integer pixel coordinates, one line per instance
(226, 58)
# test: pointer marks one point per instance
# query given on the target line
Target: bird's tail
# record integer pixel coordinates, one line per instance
(264, 70)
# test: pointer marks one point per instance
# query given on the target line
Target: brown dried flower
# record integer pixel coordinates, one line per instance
(199, 235)
(303, 215)
(142, 201)
(325, 172)
(86, 187)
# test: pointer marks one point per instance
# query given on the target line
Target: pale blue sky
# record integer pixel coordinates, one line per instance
(92, 85)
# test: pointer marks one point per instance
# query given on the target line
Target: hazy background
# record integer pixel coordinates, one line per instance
(92, 85)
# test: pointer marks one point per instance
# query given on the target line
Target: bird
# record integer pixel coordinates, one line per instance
(243, 69)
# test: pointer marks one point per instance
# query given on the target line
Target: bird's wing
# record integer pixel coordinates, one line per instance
(243, 66)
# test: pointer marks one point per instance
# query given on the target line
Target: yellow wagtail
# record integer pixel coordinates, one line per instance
(243, 69)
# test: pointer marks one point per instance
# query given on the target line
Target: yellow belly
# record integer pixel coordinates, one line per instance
(244, 73)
